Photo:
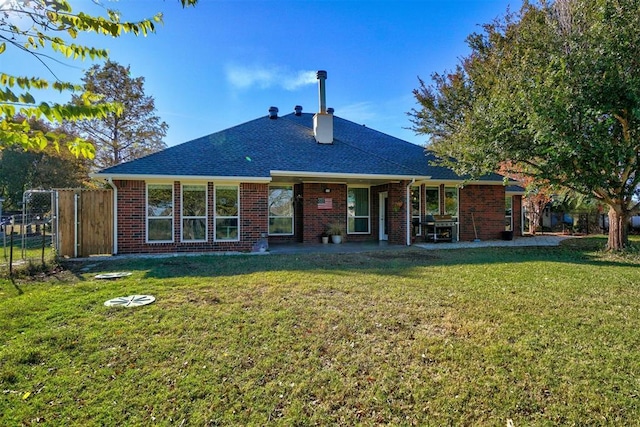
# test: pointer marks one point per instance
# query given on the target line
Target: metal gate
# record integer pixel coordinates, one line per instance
(27, 236)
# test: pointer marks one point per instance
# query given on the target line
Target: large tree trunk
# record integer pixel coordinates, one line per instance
(618, 239)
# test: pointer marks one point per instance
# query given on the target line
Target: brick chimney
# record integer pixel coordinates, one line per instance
(323, 120)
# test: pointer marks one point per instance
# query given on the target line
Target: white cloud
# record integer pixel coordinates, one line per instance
(301, 78)
(359, 112)
(243, 77)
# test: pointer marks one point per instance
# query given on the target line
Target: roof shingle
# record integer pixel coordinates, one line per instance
(257, 147)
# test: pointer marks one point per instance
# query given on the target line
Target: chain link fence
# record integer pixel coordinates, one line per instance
(28, 237)
(577, 222)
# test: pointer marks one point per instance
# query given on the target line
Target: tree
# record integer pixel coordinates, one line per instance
(537, 193)
(133, 132)
(534, 201)
(22, 170)
(33, 26)
(554, 89)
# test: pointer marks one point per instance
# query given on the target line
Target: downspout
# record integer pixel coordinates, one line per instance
(115, 215)
(408, 205)
(57, 223)
(75, 225)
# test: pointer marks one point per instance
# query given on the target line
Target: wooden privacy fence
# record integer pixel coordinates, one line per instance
(85, 222)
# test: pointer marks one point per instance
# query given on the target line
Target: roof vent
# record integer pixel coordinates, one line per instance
(298, 110)
(273, 113)
(330, 110)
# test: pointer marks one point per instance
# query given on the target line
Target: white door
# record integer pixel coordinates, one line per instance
(383, 234)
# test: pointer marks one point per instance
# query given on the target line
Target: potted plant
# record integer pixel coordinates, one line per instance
(325, 237)
(335, 231)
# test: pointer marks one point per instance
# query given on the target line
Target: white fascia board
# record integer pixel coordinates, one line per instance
(344, 176)
(463, 183)
(182, 178)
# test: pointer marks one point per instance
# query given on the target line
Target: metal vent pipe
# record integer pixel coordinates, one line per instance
(322, 76)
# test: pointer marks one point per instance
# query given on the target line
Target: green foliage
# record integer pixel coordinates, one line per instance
(552, 90)
(46, 168)
(335, 229)
(37, 25)
(130, 133)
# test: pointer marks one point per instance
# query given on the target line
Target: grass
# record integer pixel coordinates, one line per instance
(545, 336)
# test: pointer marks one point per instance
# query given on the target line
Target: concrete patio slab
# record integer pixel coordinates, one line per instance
(537, 240)
(299, 248)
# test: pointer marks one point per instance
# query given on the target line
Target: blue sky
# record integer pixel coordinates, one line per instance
(225, 62)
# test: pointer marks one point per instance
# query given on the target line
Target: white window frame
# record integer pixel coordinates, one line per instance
(205, 217)
(368, 216)
(165, 217)
(216, 217)
(419, 215)
(293, 213)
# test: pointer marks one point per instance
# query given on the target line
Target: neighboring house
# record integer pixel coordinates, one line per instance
(287, 178)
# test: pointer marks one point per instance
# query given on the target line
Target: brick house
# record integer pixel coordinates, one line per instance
(286, 178)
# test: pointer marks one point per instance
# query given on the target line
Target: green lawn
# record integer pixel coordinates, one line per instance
(546, 336)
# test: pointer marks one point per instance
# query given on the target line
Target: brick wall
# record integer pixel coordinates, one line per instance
(397, 213)
(517, 215)
(254, 205)
(315, 220)
(132, 220)
(131, 215)
(312, 221)
(487, 204)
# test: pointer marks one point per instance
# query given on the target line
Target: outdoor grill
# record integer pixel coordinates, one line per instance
(440, 228)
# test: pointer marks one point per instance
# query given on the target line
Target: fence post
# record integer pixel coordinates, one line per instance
(11, 254)
(44, 236)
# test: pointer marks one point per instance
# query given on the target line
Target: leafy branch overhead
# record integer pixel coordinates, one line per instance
(38, 27)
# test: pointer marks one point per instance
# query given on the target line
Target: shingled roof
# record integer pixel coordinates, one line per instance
(265, 147)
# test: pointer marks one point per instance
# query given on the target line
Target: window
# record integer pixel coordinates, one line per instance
(415, 209)
(508, 213)
(451, 202)
(227, 218)
(358, 210)
(194, 213)
(281, 209)
(159, 213)
(432, 200)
